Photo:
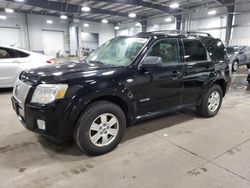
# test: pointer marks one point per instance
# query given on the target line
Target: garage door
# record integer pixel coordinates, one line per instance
(53, 42)
(10, 36)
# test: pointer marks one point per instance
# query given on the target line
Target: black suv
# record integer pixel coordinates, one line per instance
(125, 80)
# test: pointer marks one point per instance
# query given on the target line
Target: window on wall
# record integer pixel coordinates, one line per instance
(194, 50)
(167, 50)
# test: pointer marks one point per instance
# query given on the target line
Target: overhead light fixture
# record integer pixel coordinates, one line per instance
(211, 12)
(19, 0)
(104, 21)
(138, 24)
(9, 10)
(117, 27)
(85, 9)
(49, 22)
(174, 5)
(132, 15)
(85, 25)
(3, 17)
(64, 17)
(168, 19)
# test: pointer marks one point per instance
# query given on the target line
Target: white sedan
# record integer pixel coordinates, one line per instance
(14, 60)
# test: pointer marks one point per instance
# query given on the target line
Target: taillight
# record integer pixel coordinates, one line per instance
(52, 61)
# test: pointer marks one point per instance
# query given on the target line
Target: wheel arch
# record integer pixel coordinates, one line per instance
(222, 84)
(113, 99)
(124, 102)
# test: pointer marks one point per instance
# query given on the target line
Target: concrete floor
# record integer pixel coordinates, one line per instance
(178, 150)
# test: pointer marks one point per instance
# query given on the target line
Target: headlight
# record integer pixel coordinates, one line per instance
(47, 93)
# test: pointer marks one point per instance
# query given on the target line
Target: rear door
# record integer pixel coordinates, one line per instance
(198, 69)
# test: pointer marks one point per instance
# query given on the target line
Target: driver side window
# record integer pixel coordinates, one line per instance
(166, 49)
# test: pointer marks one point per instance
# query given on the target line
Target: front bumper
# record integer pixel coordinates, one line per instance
(58, 126)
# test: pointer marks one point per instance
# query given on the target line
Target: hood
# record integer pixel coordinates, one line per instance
(66, 72)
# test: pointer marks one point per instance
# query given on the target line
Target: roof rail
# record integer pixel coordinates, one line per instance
(197, 33)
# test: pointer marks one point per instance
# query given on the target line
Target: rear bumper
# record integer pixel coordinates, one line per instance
(57, 127)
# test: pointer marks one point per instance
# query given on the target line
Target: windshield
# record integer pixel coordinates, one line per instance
(119, 51)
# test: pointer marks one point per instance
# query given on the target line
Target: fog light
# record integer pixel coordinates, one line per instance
(41, 124)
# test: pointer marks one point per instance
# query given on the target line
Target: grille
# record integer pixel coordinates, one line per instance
(20, 91)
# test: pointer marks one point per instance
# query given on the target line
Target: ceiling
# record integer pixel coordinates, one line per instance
(113, 10)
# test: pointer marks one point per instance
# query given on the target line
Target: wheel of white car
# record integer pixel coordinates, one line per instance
(235, 66)
(100, 128)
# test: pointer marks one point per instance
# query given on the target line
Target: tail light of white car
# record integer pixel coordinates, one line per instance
(52, 61)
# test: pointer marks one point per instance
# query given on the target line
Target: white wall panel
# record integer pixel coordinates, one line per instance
(105, 31)
(122, 32)
(215, 26)
(53, 42)
(128, 29)
(159, 24)
(241, 31)
(17, 21)
(37, 24)
(10, 36)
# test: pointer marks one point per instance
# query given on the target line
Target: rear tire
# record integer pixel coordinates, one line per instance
(100, 128)
(235, 66)
(211, 102)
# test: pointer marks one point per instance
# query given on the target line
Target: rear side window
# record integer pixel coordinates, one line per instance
(6, 53)
(194, 50)
(216, 48)
(20, 54)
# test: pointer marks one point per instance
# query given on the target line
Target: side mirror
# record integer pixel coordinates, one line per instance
(151, 62)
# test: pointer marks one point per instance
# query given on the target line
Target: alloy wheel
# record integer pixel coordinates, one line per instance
(104, 129)
(214, 101)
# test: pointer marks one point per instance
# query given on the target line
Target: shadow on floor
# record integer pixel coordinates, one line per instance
(137, 130)
(4, 91)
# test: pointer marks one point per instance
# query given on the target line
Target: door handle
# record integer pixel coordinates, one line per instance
(17, 62)
(175, 73)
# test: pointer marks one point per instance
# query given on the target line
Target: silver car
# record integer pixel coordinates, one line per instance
(238, 55)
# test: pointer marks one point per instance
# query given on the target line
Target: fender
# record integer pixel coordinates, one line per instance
(88, 93)
(215, 77)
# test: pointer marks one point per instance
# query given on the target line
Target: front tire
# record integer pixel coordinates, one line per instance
(211, 102)
(100, 128)
(235, 66)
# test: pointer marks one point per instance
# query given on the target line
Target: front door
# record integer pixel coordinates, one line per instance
(9, 67)
(159, 88)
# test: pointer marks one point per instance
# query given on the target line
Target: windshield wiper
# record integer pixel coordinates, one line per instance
(101, 63)
(97, 62)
